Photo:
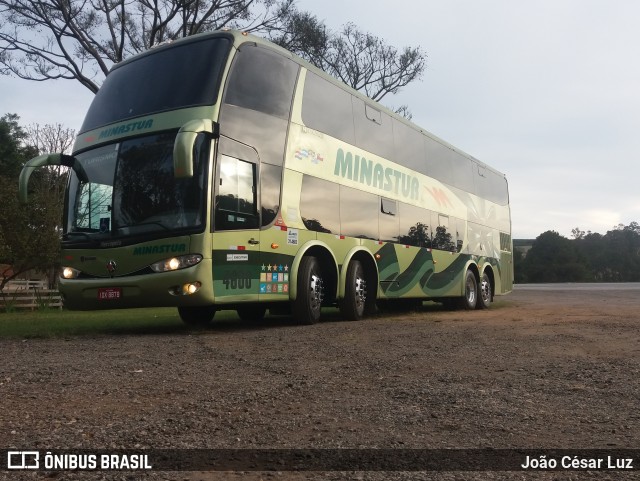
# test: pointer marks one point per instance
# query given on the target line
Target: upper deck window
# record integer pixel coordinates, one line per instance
(262, 80)
(184, 75)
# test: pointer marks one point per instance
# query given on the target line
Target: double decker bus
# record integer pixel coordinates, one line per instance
(221, 171)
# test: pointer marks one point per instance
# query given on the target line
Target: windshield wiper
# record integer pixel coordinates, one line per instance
(66, 236)
(155, 222)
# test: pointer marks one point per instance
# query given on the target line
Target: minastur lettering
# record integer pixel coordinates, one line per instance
(376, 175)
(160, 249)
(126, 128)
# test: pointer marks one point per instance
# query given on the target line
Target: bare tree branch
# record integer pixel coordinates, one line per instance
(50, 138)
(361, 60)
(366, 63)
(82, 39)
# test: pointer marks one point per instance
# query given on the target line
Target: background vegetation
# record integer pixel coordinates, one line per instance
(30, 234)
(588, 257)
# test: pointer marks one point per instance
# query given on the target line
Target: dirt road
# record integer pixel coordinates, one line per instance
(541, 369)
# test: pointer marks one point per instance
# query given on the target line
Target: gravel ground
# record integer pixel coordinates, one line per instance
(541, 369)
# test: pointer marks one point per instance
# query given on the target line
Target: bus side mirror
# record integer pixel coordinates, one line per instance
(183, 146)
(43, 161)
(30, 166)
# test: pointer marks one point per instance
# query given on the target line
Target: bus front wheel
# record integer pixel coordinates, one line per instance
(470, 298)
(196, 315)
(306, 307)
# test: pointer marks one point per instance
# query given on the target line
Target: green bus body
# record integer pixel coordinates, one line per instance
(223, 172)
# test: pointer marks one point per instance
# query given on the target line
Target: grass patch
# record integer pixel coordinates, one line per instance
(60, 323)
(51, 323)
(54, 323)
(48, 323)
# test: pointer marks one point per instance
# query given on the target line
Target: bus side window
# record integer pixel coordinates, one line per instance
(320, 205)
(408, 147)
(388, 206)
(257, 101)
(358, 213)
(414, 226)
(461, 229)
(388, 220)
(373, 129)
(443, 238)
(270, 180)
(327, 108)
(262, 80)
(236, 200)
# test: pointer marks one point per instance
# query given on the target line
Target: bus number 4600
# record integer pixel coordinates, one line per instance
(237, 281)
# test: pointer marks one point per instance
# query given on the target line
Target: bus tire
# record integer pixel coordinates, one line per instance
(485, 295)
(196, 315)
(306, 307)
(470, 297)
(251, 312)
(354, 305)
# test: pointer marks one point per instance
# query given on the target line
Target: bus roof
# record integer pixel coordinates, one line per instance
(239, 37)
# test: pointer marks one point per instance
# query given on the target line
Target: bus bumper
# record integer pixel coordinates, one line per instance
(186, 287)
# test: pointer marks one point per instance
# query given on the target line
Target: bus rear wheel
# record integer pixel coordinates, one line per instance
(196, 315)
(470, 298)
(306, 307)
(486, 296)
(355, 304)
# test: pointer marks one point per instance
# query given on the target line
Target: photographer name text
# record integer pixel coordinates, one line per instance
(577, 462)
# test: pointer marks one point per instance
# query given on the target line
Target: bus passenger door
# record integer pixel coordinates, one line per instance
(236, 237)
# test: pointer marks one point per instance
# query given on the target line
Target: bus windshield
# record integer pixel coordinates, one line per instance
(174, 77)
(129, 188)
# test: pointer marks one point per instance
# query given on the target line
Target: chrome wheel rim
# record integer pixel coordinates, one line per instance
(361, 293)
(316, 292)
(471, 292)
(485, 291)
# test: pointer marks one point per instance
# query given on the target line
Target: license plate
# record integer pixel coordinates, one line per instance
(109, 293)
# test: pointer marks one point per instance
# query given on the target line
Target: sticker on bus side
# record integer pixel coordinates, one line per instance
(237, 257)
(292, 237)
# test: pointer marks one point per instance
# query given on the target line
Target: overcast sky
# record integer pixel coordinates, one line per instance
(547, 92)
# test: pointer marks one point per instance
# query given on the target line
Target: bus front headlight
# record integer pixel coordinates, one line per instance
(70, 273)
(175, 263)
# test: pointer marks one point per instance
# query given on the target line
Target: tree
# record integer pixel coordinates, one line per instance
(29, 235)
(519, 274)
(361, 60)
(50, 138)
(13, 152)
(578, 233)
(591, 248)
(554, 258)
(82, 39)
(613, 257)
(621, 246)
